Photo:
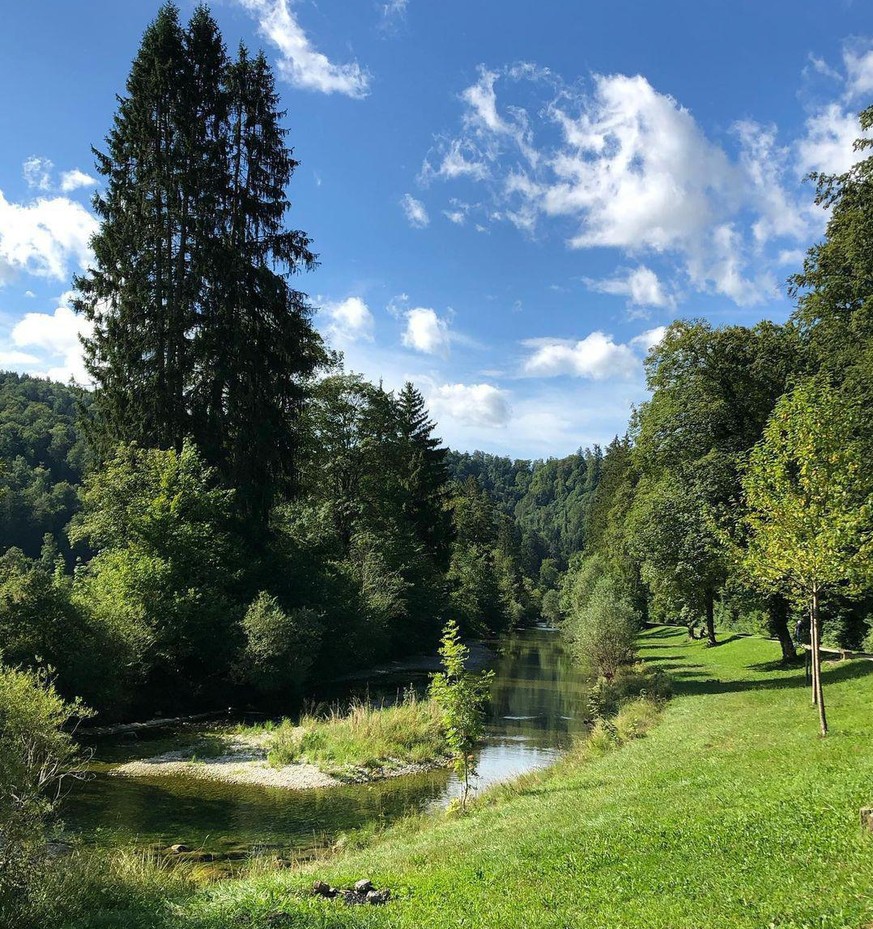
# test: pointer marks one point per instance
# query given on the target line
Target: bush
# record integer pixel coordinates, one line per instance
(36, 754)
(279, 646)
(603, 632)
(630, 682)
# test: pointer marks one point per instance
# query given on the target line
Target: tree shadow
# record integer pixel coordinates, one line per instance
(688, 679)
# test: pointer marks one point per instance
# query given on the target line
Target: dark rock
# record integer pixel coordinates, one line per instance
(378, 897)
(320, 889)
(353, 898)
(867, 818)
(363, 886)
(179, 848)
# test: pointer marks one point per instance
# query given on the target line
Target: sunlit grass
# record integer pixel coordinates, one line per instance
(363, 736)
(728, 811)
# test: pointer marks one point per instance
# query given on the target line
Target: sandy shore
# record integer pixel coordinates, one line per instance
(246, 763)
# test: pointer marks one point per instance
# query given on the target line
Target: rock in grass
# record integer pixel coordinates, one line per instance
(867, 818)
(363, 886)
(320, 889)
(179, 848)
(353, 898)
(378, 897)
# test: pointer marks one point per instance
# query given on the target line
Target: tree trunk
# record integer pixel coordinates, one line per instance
(710, 615)
(777, 626)
(816, 662)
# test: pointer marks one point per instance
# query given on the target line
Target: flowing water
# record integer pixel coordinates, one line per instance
(537, 706)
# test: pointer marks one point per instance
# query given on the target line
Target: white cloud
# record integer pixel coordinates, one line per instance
(641, 286)
(52, 339)
(415, 211)
(300, 64)
(598, 356)
(73, 180)
(37, 172)
(858, 62)
(350, 321)
(828, 143)
(649, 338)
(630, 168)
(426, 332)
(460, 159)
(44, 237)
(470, 404)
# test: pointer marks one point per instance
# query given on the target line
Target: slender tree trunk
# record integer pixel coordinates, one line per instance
(816, 663)
(813, 652)
(777, 623)
(710, 615)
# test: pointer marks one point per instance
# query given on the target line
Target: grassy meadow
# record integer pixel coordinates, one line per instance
(729, 812)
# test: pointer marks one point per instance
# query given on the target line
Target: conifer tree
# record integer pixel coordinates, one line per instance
(197, 331)
(424, 475)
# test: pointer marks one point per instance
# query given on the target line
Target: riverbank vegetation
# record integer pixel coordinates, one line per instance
(728, 811)
(364, 737)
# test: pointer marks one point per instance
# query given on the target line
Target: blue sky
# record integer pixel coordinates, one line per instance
(509, 199)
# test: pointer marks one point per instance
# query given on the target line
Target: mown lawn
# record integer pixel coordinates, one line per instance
(730, 812)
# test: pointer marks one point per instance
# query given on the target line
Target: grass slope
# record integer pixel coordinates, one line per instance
(730, 812)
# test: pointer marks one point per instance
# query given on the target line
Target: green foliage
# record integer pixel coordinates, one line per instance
(367, 738)
(196, 329)
(603, 631)
(629, 683)
(810, 496)
(164, 574)
(280, 645)
(460, 695)
(36, 753)
(42, 458)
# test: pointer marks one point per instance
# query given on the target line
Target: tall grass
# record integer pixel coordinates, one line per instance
(363, 736)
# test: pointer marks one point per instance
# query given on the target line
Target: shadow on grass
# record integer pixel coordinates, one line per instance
(690, 679)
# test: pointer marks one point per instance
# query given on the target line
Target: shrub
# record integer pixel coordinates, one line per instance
(461, 696)
(279, 646)
(603, 632)
(630, 682)
(36, 754)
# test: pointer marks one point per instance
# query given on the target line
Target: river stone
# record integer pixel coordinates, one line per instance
(867, 818)
(363, 886)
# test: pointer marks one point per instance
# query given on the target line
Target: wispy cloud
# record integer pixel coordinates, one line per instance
(613, 162)
(415, 212)
(300, 63)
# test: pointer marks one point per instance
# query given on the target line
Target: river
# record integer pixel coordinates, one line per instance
(537, 706)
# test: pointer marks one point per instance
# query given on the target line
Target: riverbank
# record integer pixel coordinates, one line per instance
(356, 746)
(731, 812)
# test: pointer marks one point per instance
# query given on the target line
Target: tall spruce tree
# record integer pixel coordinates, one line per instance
(424, 475)
(197, 331)
(138, 354)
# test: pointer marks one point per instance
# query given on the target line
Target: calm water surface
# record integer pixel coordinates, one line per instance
(537, 707)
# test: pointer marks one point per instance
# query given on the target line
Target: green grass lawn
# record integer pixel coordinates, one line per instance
(730, 812)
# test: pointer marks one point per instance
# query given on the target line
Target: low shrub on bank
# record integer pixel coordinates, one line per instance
(409, 732)
(36, 754)
(629, 682)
